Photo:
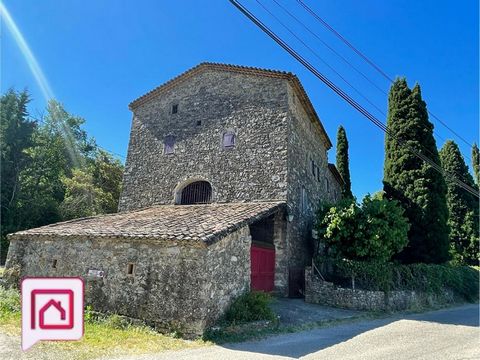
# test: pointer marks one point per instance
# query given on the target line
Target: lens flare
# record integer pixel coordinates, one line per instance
(40, 79)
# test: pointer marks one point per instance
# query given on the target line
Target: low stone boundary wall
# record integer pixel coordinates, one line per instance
(318, 291)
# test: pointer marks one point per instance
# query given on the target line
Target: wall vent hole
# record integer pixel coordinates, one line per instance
(130, 268)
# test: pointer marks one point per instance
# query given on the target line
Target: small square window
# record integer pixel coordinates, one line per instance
(228, 140)
(130, 269)
(175, 109)
(199, 122)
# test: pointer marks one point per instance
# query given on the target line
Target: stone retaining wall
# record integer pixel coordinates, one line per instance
(318, 291)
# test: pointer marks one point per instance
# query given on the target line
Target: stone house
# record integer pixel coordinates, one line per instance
(225, 168)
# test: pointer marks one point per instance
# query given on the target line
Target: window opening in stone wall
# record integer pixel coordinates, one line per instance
(169, 145)
(199, 122)
(229, 139)
(130, 268)
(174, 108)
(313, 167)
(199, 192)
(262, 232)
(327, 185)
(319, 178)
(54, 263)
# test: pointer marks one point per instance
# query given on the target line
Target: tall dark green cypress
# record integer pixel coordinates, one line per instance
(462, 206)
(476, 163)
(420, 189)
(343, 163)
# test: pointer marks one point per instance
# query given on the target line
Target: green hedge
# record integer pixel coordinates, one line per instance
(429, 278)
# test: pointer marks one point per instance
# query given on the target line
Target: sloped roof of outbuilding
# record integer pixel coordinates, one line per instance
(292, 78)
(333, 169)
(190, 224)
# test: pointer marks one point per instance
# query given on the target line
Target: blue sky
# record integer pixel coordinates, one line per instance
(99, 55)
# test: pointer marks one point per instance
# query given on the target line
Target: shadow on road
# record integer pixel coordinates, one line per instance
(306, 342)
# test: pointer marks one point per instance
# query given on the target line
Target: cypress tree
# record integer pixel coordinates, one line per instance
(476, 163)
(343, 163)
(419, 188)
(462, 206)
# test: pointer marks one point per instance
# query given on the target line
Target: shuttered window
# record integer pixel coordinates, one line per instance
(169, 145)
(229, 139)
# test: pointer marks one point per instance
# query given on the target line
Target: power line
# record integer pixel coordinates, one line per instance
(341, 57)
(345, 96)
(321, 59)
(316, 54)
(330, 47)
(371, 63)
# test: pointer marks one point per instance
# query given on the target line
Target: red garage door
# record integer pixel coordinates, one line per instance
(263, 268)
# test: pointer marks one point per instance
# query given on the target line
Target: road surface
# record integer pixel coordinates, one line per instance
(445, 334)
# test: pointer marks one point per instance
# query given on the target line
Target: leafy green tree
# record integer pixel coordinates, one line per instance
(82, 197)
(59, 146)
(476, 163)
(16, 131)
(343, 163)
(107, 176)
(374, 231)
(462, 206)
(420, 189)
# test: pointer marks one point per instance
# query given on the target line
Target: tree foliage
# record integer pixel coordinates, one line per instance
(343, 162)
(374, 230)
(51, 169)
(462, 206)
(16, 131)
(417, 186)
(476, 163)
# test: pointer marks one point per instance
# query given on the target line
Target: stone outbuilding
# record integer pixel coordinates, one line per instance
(226, 167)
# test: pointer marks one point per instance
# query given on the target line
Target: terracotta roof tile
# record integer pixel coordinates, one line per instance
(188, 223)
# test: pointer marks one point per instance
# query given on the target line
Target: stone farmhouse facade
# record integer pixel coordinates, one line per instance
(226, 167)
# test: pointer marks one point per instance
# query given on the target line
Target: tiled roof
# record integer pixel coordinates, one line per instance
(183, 223)
(297, 86)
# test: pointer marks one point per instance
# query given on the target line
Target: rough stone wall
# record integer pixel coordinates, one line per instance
(175, 287)
(227, 271)
(318, 291)
(304, 146)
(254, 107)
(281, 254)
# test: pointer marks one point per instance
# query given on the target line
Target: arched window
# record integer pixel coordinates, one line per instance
(327, 185)
(198, 192)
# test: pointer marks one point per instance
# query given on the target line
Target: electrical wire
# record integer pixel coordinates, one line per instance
(371, 63)
(345, 96)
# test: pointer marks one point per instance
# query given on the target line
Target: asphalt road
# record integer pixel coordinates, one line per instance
(445, 334)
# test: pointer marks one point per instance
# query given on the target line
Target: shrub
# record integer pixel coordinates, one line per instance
(9, 301)
(251, 306)
(374, 230)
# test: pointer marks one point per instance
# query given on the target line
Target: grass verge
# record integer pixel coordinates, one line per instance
(107, 337)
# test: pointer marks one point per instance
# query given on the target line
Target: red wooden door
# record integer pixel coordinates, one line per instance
(263, 268)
